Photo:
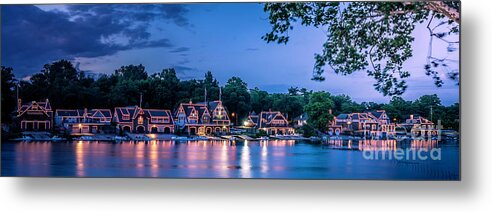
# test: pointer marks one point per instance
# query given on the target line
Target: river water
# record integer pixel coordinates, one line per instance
(226, 159)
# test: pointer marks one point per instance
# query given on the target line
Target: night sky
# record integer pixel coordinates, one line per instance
(224, 38)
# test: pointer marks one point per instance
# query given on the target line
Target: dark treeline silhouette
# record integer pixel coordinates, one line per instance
(68, 88)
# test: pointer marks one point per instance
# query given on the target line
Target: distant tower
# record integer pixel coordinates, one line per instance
(206, 96)
(19, 101)
(220, 93)
(431, 113)
(19, 104)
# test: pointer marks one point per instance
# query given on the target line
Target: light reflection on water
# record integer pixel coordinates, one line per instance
(381, 145)
(245, 161)
(224, 159)
(79, 156)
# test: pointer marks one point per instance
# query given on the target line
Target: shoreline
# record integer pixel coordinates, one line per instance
(46, 137)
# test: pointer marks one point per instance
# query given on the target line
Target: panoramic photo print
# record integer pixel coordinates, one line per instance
(266, 90)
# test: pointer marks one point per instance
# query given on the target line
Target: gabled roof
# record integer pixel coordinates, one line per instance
(120, 111)
(217, 105)
(67, 112)
(254, 119)
(202, 109)
(105, 112)
(46, 104)
(378, 113)
(133, 111)
(156, 112)
(159, 113)
(45, 107)
(266, 117)
(343, 116)
(189, 107)
(417, 119)
(99, 113)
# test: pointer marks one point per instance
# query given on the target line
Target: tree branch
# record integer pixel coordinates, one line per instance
(441, 7)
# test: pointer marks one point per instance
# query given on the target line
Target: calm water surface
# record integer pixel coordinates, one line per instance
(225, 159)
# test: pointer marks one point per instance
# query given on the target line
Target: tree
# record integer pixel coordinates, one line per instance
(8, 93)
(163, 90)
(62, 84)
(305, 94)
(426, 103)
(292, 106)
(236, 97)
(212, 86)
(371, 106)
(451, 117)
(294, 91)
(318, 110)
(307, 131)
(124, 93)
(132, 72)
(104, 85)
(397, 109)
(375, 37)
(260, 100)
(344, 104)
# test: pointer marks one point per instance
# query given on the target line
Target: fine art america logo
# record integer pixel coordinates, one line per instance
(401, 154)
(409, 153)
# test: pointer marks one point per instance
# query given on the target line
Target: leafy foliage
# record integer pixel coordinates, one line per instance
(374, 37)
(8, 93)
(318, 110)
(236, 98)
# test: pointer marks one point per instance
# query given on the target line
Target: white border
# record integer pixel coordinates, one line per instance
(473, 193)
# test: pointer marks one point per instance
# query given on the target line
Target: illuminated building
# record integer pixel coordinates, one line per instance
(371, 123)
(138, 120)
(300, 120)
(272, 122)
(419, 126)
(35, 116)
(78, 121)
(203, 118)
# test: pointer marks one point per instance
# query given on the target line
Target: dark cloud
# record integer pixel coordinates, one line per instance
(186, 72)
(32, 37)
(180, 49)
(183, 69)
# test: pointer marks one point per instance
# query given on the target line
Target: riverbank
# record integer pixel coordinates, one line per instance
(46, 136)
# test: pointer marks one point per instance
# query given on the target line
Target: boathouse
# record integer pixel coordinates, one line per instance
(419, 126)
(370, 123)
(203, 118)
(34, 116)
(84, 121)
(272, 122)
(135, 119)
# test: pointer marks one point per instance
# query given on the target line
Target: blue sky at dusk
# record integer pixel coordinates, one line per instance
(193, 38)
